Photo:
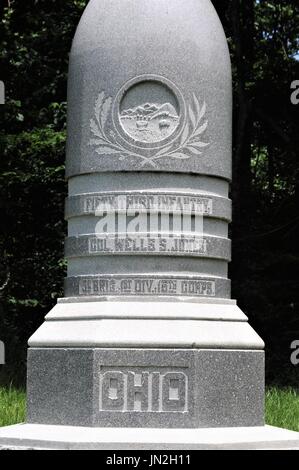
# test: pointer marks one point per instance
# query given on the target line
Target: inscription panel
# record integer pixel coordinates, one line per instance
(144, 388)
(170, 203)
(209, 247)
(136, 389)
(147, 244)
(147, 286)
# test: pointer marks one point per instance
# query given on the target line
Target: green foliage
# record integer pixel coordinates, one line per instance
(31, 237)
(282, 408)
(12, 406)
(263, 37)
(35, 38)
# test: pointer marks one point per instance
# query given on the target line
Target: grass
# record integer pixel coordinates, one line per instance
(282, 407)
(12, 406)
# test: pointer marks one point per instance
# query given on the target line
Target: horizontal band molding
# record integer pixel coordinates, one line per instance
(146, 333)
(207, 205)
(78, 308)
(148, 286)
(202, 247)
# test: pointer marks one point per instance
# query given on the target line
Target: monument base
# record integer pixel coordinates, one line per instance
(154, 388)
(184, 375)
(133, 363)
(43, 437)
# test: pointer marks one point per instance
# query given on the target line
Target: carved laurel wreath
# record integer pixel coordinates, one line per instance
(188, 145)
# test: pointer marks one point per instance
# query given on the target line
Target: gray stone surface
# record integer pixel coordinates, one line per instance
(133, 322)
(149, 133)
(136, 244)
(148, 337)
(147, 182)
(211, 226)
(169, 57)
(145, 388)
(147, 286)
(88, 204)
(146, 265)
(60, 385)
(37, 436)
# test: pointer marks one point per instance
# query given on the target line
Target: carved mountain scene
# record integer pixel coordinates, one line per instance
(150, 122)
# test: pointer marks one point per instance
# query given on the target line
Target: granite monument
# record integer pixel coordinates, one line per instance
(147, 349)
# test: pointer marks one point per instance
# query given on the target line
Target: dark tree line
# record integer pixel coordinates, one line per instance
(35, 38)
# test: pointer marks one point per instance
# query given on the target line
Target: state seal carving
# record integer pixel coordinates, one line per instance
(149, 121)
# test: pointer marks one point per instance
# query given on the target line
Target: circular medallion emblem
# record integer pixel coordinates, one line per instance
(148, 121)
(149, 111)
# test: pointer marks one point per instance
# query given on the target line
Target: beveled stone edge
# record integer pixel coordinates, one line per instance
(184, 300)
(55, 437)
(138, 309)
(170, 183)
(72, 171)
(143, 333)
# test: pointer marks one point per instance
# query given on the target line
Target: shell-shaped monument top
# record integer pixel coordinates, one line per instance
(149, 89)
